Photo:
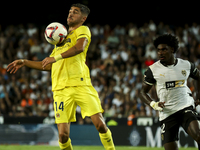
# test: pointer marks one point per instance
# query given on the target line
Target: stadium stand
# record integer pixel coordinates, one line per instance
(117, 58)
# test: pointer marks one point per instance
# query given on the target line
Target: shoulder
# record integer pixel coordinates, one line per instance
(83, 29)
(183, 62)
(148, 77)
(155, 65)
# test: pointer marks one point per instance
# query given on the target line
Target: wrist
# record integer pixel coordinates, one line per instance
(152, 103)
(155, 106)
(23, 61)
(58, 57)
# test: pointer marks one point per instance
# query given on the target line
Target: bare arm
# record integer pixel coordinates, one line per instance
(15, 65)
(37, 65)
(143, 93)
(195, 74)
(76, 49)
(146, 98)
(198, 85)
(197, 77)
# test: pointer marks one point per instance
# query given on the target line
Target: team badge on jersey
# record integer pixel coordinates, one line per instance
(183, 73)
(57, 115)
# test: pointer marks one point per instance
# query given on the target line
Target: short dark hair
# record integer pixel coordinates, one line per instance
(84, 9)
(168, 39)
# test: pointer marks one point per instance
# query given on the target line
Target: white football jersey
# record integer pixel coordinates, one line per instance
(171, 85)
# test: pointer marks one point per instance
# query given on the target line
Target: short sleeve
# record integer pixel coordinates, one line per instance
(148, 77)
(193, 71)
(83, 32)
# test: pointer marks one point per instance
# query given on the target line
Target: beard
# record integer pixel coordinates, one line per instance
(72, 23)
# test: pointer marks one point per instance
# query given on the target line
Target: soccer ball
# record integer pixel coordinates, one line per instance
(55, 33)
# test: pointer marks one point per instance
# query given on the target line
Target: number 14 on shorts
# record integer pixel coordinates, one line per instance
(60, 106)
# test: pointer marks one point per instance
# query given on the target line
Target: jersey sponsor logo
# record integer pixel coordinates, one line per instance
(174, 84)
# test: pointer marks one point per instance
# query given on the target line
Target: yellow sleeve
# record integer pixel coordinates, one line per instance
(83, 32)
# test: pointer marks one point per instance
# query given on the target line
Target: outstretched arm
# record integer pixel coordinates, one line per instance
(77, 49)
(15, 65)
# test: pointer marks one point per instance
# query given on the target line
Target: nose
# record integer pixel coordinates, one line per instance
(160, 52)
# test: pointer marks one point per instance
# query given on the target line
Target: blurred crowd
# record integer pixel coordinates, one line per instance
(117, 57)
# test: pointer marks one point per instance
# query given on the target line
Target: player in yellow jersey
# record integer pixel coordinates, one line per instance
(71, 84)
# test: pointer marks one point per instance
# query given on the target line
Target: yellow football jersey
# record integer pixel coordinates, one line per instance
(71, 71)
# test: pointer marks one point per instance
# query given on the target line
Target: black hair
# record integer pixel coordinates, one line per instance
(168, 39)
(84, 9)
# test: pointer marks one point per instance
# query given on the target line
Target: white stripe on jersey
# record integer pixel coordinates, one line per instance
(171, 86)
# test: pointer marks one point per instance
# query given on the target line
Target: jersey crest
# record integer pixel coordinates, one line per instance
(183, 73)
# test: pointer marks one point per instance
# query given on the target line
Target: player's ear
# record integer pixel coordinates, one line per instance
(84, 18)
(172, 50)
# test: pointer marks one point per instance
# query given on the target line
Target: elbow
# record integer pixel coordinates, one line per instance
(79, 50)
(142, 95)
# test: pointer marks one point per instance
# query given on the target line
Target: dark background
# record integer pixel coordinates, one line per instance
(102, 12)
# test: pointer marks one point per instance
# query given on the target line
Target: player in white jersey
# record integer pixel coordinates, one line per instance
(176, 104)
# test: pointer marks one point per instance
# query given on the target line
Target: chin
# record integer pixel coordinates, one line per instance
(162, 61)
(71, 24)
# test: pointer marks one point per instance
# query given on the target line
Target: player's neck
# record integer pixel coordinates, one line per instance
(172, 61)
(71, 28)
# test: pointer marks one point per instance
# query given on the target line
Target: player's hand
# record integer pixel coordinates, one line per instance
(197, 102)
(157, 105)
(15, 65)
(48, 60)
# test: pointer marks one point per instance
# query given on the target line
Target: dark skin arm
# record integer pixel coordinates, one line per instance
(197, 101)
(145, 97)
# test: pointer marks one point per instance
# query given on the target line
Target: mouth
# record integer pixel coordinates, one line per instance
(161, 58)
(69, 18)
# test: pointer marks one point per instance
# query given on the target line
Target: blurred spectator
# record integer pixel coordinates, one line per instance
(149, 61)
(35, 48)
(152, 25)
(117, 58)
(113, 40)
(133, 30)
(31, 29)
(151, 52)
